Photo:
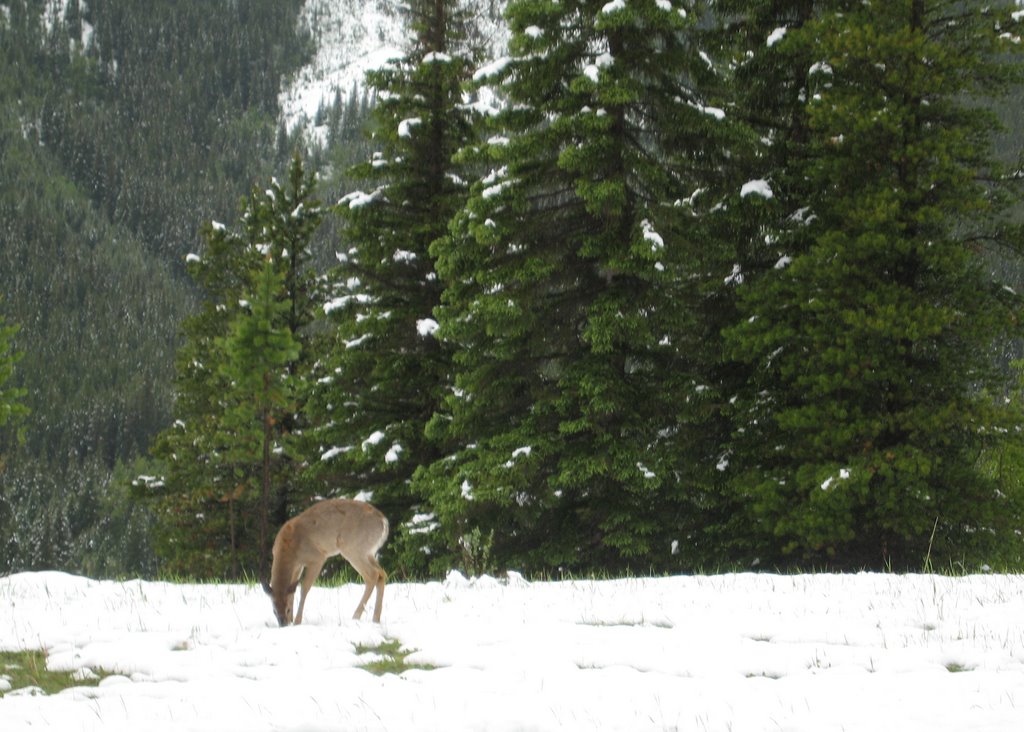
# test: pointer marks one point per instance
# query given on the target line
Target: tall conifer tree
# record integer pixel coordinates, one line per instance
(874, 384)
(12, 410)
(572, 287)
(11, 407)
(260, 351)
(386, 373)
(209, 501)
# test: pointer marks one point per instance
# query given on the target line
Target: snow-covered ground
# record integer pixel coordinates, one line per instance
(733, 652)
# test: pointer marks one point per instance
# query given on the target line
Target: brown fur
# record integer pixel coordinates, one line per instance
(353, 529)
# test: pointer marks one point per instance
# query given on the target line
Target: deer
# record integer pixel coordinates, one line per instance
(354, 529)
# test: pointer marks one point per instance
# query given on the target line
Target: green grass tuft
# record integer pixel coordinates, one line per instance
(391, 659)
(27, 669)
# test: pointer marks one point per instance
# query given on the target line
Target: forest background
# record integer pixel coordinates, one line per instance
(670, 287)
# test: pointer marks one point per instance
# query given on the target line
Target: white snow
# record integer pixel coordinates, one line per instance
(775, 36)
(423, 523)
(437, 57)
(497, 188)
(614, 6)
(736, 276)
(351, 37)
(492, 69)
(333, 452)
(372, 440)
(358, 199)
(406, 125)
(55, 11)
(650, 235)
(747, 652)
(495, 175)
(602, 61)
(821, 67)
(403, 255)
(844, 474)
(517, 453)
(427, 327)
(355, 36)
(357, 341)
(393, 454)
(756, 188)
(340, 302)
(715, 112)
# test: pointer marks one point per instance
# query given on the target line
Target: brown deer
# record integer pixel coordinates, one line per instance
(353, 529)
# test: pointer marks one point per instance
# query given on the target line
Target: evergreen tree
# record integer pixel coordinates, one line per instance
(11, 406)
(874, 385)
(260, 350)
(208, 521)
(386, 373)
(11, 411)
(571, 293)
(765, 221)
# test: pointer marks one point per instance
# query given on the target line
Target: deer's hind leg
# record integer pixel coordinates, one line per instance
(374, 576)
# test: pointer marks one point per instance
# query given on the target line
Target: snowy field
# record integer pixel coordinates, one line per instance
(732, 653)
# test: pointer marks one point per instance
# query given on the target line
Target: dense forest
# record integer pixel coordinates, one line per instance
(124, 128)
(671, 286)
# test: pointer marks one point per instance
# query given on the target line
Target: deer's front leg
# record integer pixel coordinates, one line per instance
(308, 578)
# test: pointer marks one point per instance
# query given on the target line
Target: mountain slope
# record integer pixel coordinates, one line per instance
(352, 37)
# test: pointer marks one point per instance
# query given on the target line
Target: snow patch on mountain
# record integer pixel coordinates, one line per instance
(353, 37)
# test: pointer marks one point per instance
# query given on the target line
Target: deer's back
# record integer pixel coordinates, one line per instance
(334, 526)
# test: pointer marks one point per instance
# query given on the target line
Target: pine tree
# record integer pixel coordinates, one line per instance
(875, 387)
(11, 408)
(208, 521)
(386, 373)
(572, 286)
(194, 532)
(765, 218)
(260, 351)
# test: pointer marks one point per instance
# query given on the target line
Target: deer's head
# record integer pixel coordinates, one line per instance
(283, 601)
